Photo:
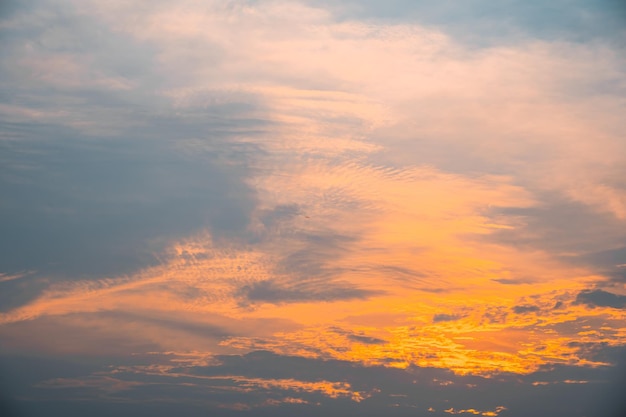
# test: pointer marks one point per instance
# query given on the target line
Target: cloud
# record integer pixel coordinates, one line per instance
(601, 298)
(315, 254)
(479, 24)
(272, 292)
(446, 317)
(512, 281)
(525, 309)
(246, 382)
(595, 243)
(99, 170)
(358, 337)
(299, 169)
(108, 207)
(608, 262)
(366, 339)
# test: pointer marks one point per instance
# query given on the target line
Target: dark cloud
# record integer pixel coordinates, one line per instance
(610, 262)
(276, 221)
(601, 298)
(271, 218)
(482, 23)
(306, 274)
(599, 352)
(511, 281)
(284, 292)
(605, 327)
(264, 381)
(366, 339)
(438, 290)
(166, 323)
(358, 337)
(496, 315)
(98, 171)
(77, 207)
(446, 317)
(96, 333)
(317, 251)
(15, 293)
(80, 207)
(549, 227)
(408, 277)
(525, 309)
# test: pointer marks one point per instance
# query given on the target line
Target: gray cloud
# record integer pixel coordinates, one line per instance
(167, 323)
(133, 390)
(358, 337)
(79, 207)
(600, 298)
(366, 339)
(278, 292)
(272, 218)
(496, 315)
(318, 250)
(446, 317)
(596, 242)
(610, 262)
(525, 309)
(511, 281)
(407, 277)
(305, 274)
(481, 23)
(99, 170)
(549, 226)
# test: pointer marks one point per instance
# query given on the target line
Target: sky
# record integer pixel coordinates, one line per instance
(278, 208)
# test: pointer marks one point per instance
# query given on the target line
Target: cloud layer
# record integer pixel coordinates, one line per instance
(289, 207)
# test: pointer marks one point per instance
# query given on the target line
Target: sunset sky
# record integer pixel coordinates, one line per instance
(312, 208)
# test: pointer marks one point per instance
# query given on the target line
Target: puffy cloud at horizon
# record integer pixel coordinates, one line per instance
(191, 190)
